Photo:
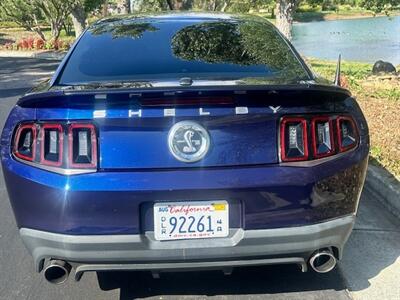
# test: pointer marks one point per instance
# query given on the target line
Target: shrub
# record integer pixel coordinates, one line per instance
(8, 46)
(31, 43)
(38, 44)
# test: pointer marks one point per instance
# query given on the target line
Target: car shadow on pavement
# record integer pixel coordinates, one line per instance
(244, 281)
(371, 258)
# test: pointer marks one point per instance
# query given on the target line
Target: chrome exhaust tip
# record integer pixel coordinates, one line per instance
(57, 271)
(323, 261)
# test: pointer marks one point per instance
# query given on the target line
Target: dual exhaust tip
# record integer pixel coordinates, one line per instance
(323, 261)
(57, 271)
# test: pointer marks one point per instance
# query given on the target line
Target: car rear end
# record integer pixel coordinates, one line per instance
(210, 163)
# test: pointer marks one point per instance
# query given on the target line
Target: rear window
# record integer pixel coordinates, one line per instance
(162, 49)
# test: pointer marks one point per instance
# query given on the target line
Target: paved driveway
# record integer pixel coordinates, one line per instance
(369, 270)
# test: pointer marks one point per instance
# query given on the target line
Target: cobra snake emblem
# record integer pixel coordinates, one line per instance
(188, 136)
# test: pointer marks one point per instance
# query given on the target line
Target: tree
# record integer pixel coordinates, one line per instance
(117, 28)
(285, 10)
(124, 6)
(179, 4)
(55, 13)
(315, 3)
(24, 12)
(28, 13)
(248, 43)
(136, 5)
(78, 16)
(379, 5)
(80, 11)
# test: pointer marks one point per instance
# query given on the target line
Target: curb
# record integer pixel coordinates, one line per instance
(386, 187)
(52, 55)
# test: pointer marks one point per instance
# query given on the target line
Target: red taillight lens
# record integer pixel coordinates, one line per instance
(82, 146)
(347, 133)
(52, 144)
(25, 142)
(294, 139)
(322, 137)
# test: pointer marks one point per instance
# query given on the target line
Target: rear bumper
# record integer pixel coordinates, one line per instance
(143, 252)
(121, 203)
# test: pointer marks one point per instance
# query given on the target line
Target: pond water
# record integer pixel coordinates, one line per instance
(367, 40)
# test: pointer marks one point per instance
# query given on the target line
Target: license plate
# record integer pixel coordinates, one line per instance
(191, 220)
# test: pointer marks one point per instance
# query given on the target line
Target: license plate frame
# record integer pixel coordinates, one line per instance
(194, 220)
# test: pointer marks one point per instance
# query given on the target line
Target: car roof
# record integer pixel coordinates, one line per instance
(193, 17)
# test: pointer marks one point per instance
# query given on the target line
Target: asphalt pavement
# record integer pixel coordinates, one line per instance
(370, 268)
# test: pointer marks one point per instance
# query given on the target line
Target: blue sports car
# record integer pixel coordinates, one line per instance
(188, 141)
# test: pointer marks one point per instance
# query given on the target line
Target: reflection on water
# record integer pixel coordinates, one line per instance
(366, 40)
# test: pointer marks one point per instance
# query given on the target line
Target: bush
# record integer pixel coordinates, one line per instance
(38, 44)
(33, 43)
(29, 43)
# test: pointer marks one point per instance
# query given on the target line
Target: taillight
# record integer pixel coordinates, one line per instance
(64, 148)
(328, 136)
(322, 136)
(52, 141)
(25, 142)
(347, 133)
(294, 140)
(82, 146)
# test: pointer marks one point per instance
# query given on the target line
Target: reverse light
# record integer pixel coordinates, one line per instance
(25, 142)
(322, 136)
(294, 140)
(82, 146)
(52, 144)
(347, 133)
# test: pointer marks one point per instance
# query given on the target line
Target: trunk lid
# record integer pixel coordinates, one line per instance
(134, 126)
(143, 142)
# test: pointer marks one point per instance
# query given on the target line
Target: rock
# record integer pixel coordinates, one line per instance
(383, 67)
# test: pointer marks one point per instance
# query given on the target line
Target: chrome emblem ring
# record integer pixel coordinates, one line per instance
(188, 141)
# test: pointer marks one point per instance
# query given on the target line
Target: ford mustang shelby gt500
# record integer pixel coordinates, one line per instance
(184, 141)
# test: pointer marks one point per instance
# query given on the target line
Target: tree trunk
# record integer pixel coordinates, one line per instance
(40, 33)
(285, 10)
(170, 4)
(212, 5)
(105, 9)
(78, 16)
(180, 4)
(136, 5)
(124, 6)
(55, 30)
(224, 7)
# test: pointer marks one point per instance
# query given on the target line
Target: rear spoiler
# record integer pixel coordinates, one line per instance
(212, 95)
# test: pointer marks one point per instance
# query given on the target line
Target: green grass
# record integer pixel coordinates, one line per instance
(376, 152)
(357, 73)
(354, 71)
(8, 24)
(63, 35)
(392, 94)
